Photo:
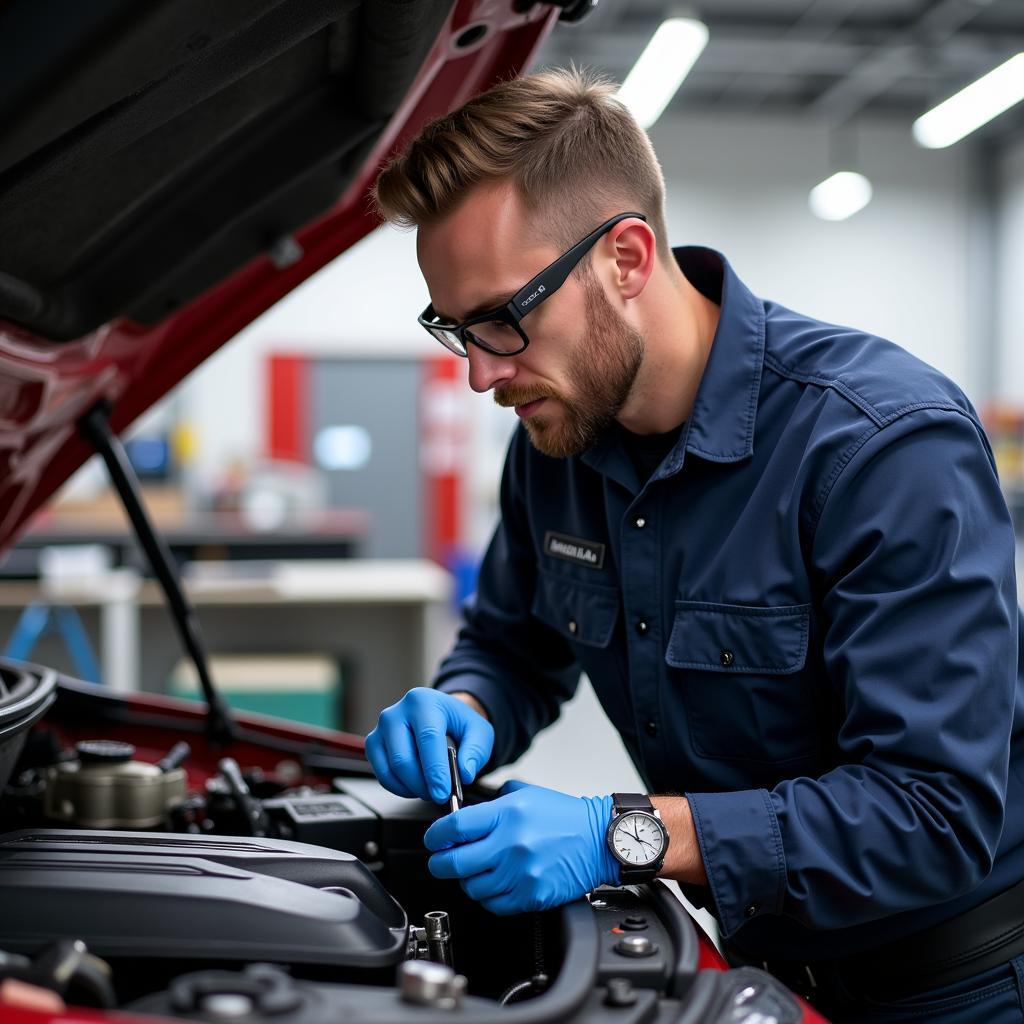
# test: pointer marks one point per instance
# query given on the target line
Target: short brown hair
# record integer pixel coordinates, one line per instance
(573, 152)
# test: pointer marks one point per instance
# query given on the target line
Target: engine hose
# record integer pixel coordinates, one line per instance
(538, 946)
(510, 994)
(540, 980)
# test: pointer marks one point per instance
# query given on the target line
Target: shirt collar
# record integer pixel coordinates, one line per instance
(721, 425)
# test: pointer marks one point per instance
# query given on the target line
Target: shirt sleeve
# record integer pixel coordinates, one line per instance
(912, 565)
(520, 670)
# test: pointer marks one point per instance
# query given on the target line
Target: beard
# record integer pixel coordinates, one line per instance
(604, 361)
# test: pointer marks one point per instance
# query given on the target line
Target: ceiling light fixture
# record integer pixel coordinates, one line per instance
(975, 105)
(840, 196)
(662, 67)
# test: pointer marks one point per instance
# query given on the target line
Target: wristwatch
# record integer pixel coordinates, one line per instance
(636, 837)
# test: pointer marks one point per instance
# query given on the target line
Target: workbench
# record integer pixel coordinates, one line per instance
(386, 622)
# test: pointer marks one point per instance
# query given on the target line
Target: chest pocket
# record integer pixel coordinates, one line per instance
(581, 612)
(741, 674)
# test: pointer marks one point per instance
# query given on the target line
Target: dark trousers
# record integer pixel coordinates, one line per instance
(995, 996)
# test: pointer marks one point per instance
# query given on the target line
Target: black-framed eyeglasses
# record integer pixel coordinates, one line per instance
(500, 330)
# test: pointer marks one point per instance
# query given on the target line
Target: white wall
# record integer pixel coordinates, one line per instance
(1010, 315)
(897, 268)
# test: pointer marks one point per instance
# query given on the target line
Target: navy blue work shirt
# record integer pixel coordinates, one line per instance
(805, 621)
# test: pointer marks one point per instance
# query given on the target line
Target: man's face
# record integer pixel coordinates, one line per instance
(583, 357)
(565, 417)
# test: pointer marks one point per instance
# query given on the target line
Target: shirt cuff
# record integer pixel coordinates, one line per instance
(741, 845)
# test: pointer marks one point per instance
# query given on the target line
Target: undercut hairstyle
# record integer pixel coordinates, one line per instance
(573, 152)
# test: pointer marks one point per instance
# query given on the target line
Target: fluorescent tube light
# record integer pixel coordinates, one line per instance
(969, 109)
(840, 196)
(665, 62)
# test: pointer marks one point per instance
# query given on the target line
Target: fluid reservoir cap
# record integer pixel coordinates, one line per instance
(429, 984)
(104, 751)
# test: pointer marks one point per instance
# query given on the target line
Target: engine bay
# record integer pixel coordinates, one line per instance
(146, 868)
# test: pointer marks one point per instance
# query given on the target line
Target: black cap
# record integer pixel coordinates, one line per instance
(104, 751)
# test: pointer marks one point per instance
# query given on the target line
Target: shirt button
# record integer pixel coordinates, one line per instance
(651, 727)
(641, 627)
(639, 522)
(726, 658)
(751, 910)
(572, 626)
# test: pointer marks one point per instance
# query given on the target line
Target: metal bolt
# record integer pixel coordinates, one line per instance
(285, 251)
(439, 937)
(429, 984)
(635, 924)
(636, 945)
(620, 992)
(227, 1005)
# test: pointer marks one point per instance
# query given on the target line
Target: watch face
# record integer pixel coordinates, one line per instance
(637, 838)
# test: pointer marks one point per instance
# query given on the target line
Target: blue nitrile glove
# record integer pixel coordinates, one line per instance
(530, 849)
(408, 750)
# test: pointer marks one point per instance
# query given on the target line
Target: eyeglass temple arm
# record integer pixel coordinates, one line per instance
(554, 276)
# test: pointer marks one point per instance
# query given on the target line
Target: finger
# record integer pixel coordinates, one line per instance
(428, 725)
(403, 758)
(466, 859)
(373, 748)
(512, 786)
(466, 825)
(393, 784)
(506, 903)
(463, 861)
(377, 756)
(474, 736)
(486, 885)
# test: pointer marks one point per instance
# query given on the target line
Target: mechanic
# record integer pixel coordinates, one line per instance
(777, 547)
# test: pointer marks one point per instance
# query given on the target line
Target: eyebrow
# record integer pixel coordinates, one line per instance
(493, 302)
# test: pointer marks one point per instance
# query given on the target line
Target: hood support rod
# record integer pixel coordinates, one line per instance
(95, 428)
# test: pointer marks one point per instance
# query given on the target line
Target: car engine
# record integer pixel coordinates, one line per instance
(276, 880)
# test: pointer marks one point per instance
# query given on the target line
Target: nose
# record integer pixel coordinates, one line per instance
(487, 370)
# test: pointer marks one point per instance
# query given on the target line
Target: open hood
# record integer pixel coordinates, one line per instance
(170, 169)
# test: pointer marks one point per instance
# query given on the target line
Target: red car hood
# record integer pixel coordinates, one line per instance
(168, 171)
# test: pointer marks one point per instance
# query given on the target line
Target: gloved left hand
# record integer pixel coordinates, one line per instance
(531, 848)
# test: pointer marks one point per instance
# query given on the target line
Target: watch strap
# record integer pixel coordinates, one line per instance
(631, 802)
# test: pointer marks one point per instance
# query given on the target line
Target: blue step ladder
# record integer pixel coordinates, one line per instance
(40, 619)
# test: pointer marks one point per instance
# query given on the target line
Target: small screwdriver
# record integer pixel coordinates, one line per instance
(455, 800)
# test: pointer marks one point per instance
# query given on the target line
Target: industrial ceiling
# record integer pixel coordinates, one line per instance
(835, 60)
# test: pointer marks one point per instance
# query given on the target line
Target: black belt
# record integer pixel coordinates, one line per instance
(983, 937)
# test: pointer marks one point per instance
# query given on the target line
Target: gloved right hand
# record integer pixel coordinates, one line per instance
(408, 750)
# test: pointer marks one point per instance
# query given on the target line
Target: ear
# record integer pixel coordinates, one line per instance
(634, 249)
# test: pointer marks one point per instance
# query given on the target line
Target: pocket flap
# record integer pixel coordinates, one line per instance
(737, 638)
(585, 612)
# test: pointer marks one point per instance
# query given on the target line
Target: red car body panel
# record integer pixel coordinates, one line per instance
(46, 387)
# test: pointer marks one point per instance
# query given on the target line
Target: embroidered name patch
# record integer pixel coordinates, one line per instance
(572, 549)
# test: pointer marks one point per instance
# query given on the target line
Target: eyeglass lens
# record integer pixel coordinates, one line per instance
(497, 335)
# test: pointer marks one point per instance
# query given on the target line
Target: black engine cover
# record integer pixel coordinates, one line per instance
(132, 894)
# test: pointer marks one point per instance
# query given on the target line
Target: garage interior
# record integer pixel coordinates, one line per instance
(327, 538)
(327, 482)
